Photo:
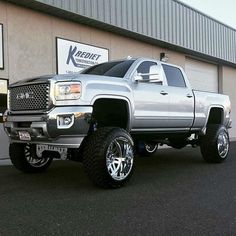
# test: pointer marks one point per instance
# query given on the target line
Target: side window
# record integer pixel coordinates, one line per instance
(174, 76)
(144, 68)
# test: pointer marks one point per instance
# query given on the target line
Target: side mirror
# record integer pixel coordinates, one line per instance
(154, 78)
(154, 75)
(138, 78)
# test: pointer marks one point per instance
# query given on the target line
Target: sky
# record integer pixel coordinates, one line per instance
(222, 10)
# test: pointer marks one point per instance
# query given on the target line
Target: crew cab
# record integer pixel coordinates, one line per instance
(110, 111)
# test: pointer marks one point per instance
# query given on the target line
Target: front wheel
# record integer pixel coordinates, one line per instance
(215, 144)
(24, 158)
(109, 157)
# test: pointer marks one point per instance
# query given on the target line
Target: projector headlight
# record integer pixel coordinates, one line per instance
(67, 91)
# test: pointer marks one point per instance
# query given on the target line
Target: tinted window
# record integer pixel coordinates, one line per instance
(174, 76)
(115, 69)
(144, 68)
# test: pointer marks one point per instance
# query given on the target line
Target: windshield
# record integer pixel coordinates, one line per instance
(114, 69)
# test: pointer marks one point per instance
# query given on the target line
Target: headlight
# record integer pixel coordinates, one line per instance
(67, 91)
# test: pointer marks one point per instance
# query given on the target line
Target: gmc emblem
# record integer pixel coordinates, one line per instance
(27, 95)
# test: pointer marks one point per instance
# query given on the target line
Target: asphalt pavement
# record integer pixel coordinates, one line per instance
(172, 193)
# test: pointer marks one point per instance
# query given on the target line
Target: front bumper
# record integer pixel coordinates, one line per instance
(47, 129)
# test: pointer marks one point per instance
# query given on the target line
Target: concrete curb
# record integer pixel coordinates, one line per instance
(5, 162)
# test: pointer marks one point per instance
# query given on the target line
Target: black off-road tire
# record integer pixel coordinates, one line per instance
(215, 144)
(23, 157)
(96, 152)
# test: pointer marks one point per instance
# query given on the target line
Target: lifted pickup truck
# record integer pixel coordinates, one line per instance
(108, 112)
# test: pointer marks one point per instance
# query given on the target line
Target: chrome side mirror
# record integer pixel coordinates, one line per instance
(138, 77)
(154, 75)
(153, 78)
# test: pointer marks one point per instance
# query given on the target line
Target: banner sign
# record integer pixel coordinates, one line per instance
(72, 57)
(1, 47)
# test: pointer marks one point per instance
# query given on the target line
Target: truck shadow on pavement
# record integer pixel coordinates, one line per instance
(165, 165)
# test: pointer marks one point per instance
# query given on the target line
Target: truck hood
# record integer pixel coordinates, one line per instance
(66, 77)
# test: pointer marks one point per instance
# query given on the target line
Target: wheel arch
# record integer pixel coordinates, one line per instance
(113, 105)
(215, 115)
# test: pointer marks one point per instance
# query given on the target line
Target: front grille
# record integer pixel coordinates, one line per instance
(34, 97)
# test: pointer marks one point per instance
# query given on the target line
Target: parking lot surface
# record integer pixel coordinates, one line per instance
(172, 193)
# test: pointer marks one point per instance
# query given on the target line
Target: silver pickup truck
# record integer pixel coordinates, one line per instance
(110, 111)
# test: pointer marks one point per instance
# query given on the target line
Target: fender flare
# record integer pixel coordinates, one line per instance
(127, 100)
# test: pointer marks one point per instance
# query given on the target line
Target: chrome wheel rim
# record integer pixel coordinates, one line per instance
(33, 160)
(151, 147)
(223, 144)
(119, 158)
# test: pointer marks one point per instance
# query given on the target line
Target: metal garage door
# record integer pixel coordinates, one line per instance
(202, 75)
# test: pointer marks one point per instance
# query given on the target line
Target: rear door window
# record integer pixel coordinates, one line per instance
(174, 76)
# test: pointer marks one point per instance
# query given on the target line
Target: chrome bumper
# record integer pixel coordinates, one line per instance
(48, 128)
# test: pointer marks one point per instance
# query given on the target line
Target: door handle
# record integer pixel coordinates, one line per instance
(189, 95)
(163, 93)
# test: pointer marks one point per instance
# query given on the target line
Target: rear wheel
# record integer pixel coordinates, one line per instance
(215, 144)
(109, 157)
(24, 158)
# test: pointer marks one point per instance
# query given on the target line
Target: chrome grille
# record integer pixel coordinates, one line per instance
(34, 97)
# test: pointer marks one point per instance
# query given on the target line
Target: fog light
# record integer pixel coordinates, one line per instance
(4, 118)
(65, 121)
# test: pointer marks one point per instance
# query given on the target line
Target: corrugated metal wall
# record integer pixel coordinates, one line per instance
(166, 20)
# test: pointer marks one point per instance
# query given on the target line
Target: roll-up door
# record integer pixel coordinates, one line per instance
(202, 75)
